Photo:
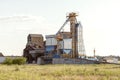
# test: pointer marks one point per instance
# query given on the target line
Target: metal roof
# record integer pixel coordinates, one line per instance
(35, 35)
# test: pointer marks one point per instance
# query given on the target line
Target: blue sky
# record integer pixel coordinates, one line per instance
(100, 20)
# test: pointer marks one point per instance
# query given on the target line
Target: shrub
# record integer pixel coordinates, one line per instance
(18, 61)
(8, 61)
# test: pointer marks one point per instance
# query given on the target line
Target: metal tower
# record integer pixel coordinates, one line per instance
(74, 32)
(76, 35)
(81, 47)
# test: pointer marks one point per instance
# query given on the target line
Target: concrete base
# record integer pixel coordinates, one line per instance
(72, 61)
(40, 61)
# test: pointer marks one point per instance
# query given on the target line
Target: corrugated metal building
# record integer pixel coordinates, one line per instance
(51, 45)
(64, 46)
(51, 40)
(34, 47)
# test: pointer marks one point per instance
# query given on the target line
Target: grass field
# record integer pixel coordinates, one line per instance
(60, 72)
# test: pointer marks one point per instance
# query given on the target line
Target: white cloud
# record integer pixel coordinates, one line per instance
(21, 18)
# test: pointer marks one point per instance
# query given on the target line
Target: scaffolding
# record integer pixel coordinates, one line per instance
(81, 47)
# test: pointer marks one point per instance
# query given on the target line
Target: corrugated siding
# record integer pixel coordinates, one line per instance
(51, 41)
(66, 44)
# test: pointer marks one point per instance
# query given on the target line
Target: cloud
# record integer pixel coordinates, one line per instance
(20, 22)
(26, 24)
(21, 18)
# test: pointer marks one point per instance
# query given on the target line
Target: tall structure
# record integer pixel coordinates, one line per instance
(71, 17)
(74, 32)
(81, 47)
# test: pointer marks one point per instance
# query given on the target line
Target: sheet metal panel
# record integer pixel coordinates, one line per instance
(50, 36)
(67, 51)
(50, 48)
(51, 41)
(65, 44)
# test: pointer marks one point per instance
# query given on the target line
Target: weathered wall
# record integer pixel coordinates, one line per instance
(40, 61)
(35, 39)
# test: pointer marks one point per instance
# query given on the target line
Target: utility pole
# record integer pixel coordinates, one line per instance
(94, 52)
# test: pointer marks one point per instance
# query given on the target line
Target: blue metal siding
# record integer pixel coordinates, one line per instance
(65, 51)
(50, 48)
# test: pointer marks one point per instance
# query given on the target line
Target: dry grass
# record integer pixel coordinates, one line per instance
(60, 72)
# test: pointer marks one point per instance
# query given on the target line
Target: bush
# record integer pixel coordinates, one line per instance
(8, 61)
(18, 61)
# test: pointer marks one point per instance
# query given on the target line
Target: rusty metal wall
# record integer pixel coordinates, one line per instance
(34, 47)
(35, 40)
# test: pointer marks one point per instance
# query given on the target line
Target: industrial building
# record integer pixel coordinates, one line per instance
(34, 47)
(61, 47)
